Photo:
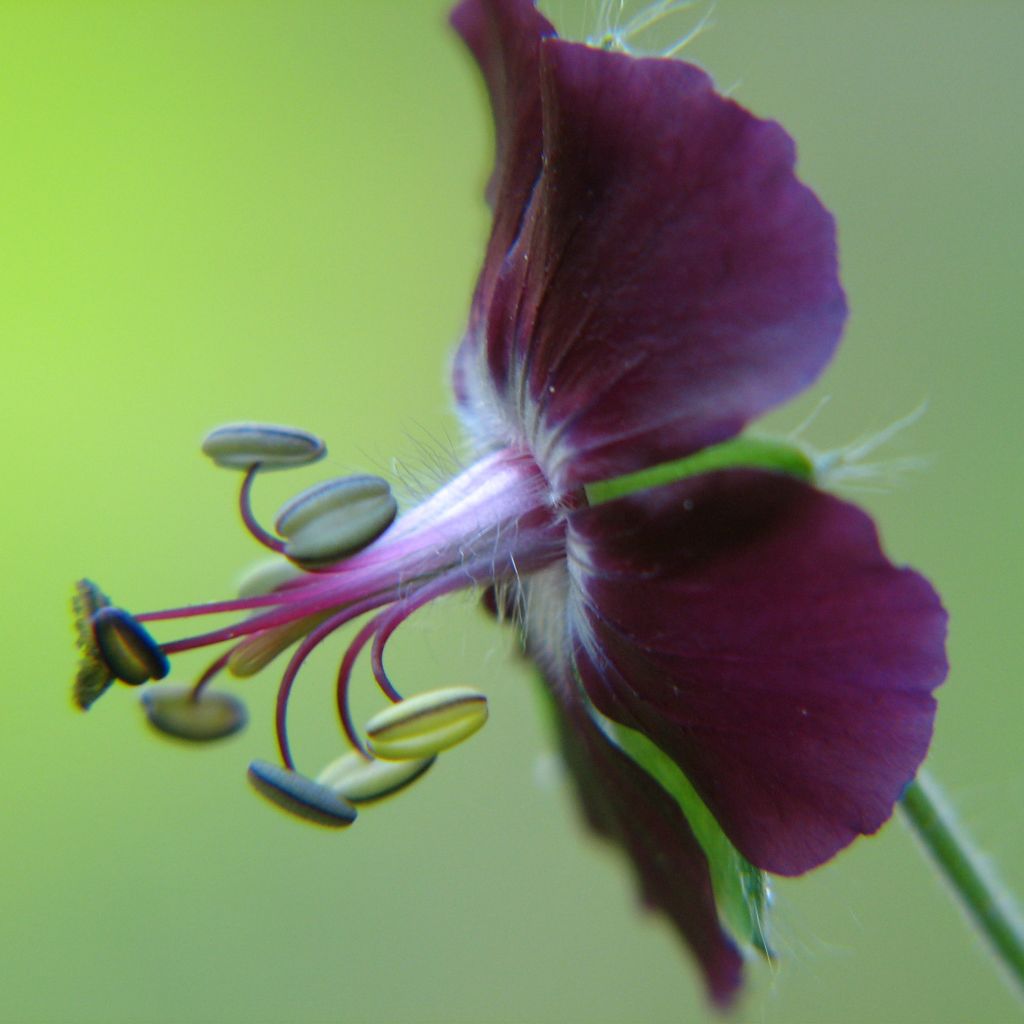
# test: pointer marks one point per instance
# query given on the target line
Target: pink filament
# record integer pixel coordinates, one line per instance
(212, 670)
(306, 648)
(390, 620)
(268, 540)
(345, 676)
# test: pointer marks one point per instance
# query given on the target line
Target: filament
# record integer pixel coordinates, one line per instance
(210, 672)
(268, 540)
(312, 641)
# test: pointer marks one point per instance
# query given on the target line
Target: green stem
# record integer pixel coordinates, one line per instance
(972, 878)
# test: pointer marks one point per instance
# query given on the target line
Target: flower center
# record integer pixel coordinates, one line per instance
(494, 521)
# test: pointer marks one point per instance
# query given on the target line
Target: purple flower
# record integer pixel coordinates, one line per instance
(656, 277)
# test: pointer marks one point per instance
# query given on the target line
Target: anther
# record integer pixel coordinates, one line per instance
(265, 577)
(300, 795)
(336, 518)
(361, 781)
(128, 650)
(256, 652)
(426, 724)
(180, 712)
(244, 445)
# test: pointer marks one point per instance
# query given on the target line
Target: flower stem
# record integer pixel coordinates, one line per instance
(988, 903)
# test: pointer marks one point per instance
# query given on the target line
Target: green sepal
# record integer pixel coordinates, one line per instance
(742, 894)
(737, 453)
(741, 890)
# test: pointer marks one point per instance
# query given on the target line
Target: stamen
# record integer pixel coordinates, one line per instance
(210, 673)
(256, 652)
(464, 535)
(426, 724)
(268, 576)
(268, 540)
(250, 445)
(307, 646)
(345, 675)
(300, 796)
(184, 714)
(390, 620)
(193, 713)
(362, 781)
(337, 518)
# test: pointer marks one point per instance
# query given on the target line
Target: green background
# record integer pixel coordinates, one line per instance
(218, 211)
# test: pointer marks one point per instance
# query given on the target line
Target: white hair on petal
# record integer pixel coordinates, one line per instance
(545, 619)
(640, 29)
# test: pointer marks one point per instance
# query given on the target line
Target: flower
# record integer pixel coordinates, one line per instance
(732, 661)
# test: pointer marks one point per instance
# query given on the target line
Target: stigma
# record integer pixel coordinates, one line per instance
(341, 553)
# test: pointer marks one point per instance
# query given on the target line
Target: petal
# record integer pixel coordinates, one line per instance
(504, 37)
(673, 278)
(753, 629)
(624, 805)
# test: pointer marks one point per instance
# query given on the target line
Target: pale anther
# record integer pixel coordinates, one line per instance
(336, 518)
(244, 445)
(426, 724)
(265, 577)
(362, 781)
(254, 653)
(198, 717)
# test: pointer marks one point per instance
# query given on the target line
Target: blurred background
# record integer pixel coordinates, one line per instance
(272, 210)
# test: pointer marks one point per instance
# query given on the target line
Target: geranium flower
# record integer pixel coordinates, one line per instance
(656, 277)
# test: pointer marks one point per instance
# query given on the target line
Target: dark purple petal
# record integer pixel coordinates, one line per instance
(622, 803)
(672, 280)
(504, 36)
(753, 629)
